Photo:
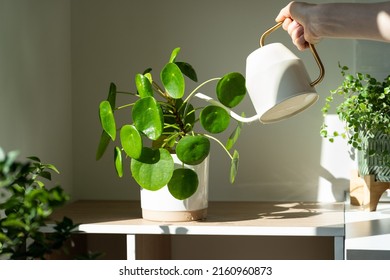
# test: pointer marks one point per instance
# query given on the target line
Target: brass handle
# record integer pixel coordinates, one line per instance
(312, 49)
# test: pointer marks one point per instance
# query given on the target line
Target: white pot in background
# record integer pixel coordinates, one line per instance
(162, 206)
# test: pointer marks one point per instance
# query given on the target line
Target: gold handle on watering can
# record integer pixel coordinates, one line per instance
(312, 49)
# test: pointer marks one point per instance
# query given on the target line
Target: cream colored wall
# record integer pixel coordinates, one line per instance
(58, 58)
(113, 40)
(35, 82)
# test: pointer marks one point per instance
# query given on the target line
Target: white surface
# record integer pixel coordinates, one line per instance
(368, 231)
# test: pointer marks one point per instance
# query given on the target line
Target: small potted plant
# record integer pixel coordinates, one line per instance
(167, 138)
(365, 109)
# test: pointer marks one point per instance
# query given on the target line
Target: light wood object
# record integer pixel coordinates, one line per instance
(150, 240)
(365, 191)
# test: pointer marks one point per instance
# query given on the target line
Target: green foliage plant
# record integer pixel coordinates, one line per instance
(25, 206)
(365, 108)
(164, 121)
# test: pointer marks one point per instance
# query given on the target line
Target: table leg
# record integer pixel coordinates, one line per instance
(130, 246)
(339, 247)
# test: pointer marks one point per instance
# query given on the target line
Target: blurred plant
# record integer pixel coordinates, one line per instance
(25, 206)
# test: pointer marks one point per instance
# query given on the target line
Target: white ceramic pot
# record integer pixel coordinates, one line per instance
(162, 206)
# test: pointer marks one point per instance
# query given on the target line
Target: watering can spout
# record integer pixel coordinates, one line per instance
(230, 112)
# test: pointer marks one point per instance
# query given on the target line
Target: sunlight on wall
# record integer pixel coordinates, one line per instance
(336, 163)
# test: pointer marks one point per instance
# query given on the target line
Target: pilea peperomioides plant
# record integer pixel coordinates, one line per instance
(163, 122)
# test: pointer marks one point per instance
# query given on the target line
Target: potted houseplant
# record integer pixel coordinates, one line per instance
(365, 109)
(25, 207)
(167, 138)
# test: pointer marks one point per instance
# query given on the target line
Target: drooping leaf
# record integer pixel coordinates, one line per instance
(234, 136)
(107, 119)
(153, 169)
(174, 54)
(183, 184)
(187, 70)
(214, 119)
(231, 89)
(144, 87)
(131, 141)
(148, 117)
(234, 166)
(118, 162)
(193, 149)
(103, 143)
(112, 95)
(173, 80)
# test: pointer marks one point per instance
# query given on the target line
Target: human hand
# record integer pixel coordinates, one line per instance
(296, 18)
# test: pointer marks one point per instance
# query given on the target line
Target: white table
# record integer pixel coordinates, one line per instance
(367, 233)
(224, 218)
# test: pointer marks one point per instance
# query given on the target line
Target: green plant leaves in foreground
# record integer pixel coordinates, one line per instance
(153, 169)
(183, 184)
(193, 150)
(148, 117)
(214, 119)
(107, 119)
(173, 80)
(231, 89)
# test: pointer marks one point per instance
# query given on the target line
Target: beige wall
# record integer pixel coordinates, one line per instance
(35, 82)
(113, 40)
(58, 58)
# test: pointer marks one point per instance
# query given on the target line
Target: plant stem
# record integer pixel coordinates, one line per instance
(220, 143)
(198, 87)
(187, 100)
(125, 92)
(124, 106)
(159, 90)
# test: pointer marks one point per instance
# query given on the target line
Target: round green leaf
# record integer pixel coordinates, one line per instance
(193, 149)
(187, 70)
(214, 119)
(148, 117)
(173, 80)
(144, 87)
(118, 162)
(131, 141)
(231, 89)
(183, 184)
(107, 119)
(153, 169)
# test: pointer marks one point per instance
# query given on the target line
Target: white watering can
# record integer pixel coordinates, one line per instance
(277, 83)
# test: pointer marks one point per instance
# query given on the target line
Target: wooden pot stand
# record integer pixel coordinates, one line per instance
(365, 191)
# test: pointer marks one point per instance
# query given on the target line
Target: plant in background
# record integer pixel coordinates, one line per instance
(164, 122)
(365, 109)
(25, 206)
